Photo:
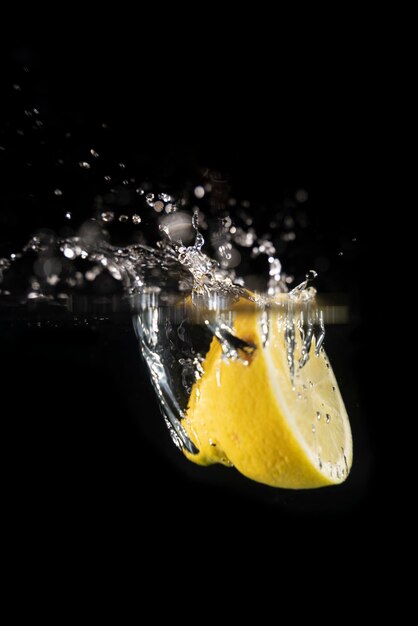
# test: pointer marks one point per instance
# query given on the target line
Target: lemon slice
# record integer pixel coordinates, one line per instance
(249, 413)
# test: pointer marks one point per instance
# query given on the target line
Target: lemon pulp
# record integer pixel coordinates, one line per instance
(251, 414)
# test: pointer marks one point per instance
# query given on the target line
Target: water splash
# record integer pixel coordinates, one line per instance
(168, 284)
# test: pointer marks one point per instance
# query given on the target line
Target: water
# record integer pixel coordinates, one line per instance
(180, 297)
(178, 262)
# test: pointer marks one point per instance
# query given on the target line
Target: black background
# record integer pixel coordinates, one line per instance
(87, 452)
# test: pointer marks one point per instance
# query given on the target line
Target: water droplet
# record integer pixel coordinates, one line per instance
(158, 206)
(69, 252)
(123, 218)
(108, 179)
(311, 275)
(165, 197)
(318, 415)
(319, 462)
(212, 443)
(122, 166)
(139, 191)
(150, 199)
(94, 153)
(311, 384)
(354, 239)
(340, 253)
(17, 87)
(328, 418)
(136, 219)
(84, 165)
(199, 191)
(333, 388)
(107, 216)
(68, 215)
(301, 195)
(53, 279)
(58, 192)
(313, 428)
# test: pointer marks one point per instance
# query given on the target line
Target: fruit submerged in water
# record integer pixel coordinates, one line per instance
(249, 413)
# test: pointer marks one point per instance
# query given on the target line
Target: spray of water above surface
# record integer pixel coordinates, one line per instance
(180, 296)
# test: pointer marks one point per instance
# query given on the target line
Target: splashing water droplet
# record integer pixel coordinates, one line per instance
(199, 192)
(158, 206)
(69, 252)
(107, 216)
(301, 195)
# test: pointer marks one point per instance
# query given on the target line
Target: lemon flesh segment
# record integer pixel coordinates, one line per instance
(250, 414)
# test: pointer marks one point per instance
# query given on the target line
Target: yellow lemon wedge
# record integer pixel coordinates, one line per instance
(249, 413)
